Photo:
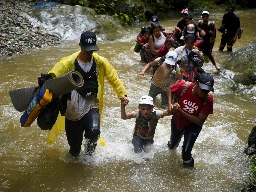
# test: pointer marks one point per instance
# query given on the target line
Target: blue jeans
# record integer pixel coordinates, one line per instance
(139, 143)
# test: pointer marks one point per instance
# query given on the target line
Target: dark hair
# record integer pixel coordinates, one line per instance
(155, 25)
(232, 7)
(189, 17)
(194, 57)
(169, 39)
(190, 36)
(178, 35)
(147, 30)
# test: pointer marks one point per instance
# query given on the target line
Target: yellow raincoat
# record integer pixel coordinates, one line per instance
(104, 68)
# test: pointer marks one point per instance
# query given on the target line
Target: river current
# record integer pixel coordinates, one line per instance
(28, 163)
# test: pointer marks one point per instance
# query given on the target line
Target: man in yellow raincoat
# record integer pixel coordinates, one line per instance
(85, 104)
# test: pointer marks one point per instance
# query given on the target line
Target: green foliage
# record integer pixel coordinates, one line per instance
(80, 2)
(123, 18)
(128, 11)
(201, 4)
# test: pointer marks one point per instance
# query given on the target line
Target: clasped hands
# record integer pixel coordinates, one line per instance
(174, 108)
(124, 100)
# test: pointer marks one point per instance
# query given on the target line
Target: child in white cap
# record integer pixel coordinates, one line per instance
(146, 122)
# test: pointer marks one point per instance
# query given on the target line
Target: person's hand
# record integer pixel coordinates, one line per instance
(141, 74)
(175, 108)
(145, 45)
(177, 29)
(124, 100)
(234, 39)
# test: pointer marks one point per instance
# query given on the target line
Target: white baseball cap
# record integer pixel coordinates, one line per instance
(171, 57)
(146, 100)
(205, 12)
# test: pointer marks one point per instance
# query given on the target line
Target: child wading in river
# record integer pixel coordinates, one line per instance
(146, 122)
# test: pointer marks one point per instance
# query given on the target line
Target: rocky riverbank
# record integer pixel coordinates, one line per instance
(17, 34)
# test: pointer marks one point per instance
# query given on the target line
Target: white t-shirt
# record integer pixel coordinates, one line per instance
(78, 106)
(159, 43)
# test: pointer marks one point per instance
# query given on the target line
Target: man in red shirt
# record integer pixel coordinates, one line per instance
(193, 104)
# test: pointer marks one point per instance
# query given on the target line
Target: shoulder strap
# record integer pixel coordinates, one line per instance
(175, 98)
(184, 88)
(210, 22)
(200, 22)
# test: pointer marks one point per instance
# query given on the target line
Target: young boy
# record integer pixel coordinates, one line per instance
(146, 122)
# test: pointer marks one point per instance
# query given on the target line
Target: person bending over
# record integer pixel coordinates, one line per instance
(192, 103)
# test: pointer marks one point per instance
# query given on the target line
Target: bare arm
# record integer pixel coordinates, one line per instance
(166, 113)
(199, 120)
(125, 115)
(151, 45)
(169, 99)
(148, 66)
(175, 108)
(235, 38)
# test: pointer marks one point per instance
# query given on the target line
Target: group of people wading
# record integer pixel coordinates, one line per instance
(154, 41)
(176, 59)
(178, 76)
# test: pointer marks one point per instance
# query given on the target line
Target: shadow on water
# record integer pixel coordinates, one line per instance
(30, 164)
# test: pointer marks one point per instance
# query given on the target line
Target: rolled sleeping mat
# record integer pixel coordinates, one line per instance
(20, 98)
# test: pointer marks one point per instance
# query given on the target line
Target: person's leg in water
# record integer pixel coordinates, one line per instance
(223, 42)
(230, 43)
(91, 123)
(142, 56)
(137, 143)
(190, 136)
(147, 144)
(74, 133)
(154, 91)
(175, 137)
(164, 98)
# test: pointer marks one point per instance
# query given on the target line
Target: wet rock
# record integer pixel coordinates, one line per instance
(17, 34)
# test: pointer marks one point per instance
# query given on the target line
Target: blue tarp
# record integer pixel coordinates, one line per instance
(44, 4)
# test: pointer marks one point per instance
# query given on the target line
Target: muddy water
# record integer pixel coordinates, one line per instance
(28, 163)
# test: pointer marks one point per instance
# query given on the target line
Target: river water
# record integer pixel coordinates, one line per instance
(28, 163)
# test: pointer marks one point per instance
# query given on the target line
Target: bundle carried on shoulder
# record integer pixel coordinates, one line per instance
(43, 101)
(39, 101)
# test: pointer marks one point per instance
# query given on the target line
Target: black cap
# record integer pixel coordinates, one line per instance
(206, 81)
(154, 19)
(88, 41)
